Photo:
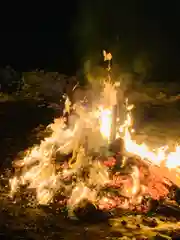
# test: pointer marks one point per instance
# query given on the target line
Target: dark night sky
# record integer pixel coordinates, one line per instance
(58, 37)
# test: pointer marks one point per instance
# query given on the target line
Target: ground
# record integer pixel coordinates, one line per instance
(22, 124)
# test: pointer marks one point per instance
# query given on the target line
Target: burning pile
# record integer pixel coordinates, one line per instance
(78, 162)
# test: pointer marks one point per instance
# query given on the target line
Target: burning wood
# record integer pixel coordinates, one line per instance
(122, 182)
(120, 175)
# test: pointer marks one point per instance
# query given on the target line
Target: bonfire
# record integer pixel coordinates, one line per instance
(92, 160)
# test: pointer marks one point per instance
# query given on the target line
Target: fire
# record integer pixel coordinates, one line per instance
(159, 156)
(173, 159)
(82, 176)
(105, 122)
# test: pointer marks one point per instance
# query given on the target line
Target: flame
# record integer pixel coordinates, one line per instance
(173, 159)
(158, 156)
(38, 170)
(105, 122)
(141, 150)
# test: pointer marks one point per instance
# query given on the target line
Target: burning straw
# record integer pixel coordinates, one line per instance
(78, 161)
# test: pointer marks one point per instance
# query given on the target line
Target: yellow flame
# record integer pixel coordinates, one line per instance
(105, 122)
(156, 156)
(42, 175)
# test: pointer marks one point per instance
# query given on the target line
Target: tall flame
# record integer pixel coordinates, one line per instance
(105, 122)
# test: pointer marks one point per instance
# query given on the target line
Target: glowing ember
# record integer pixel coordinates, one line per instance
(88, 175)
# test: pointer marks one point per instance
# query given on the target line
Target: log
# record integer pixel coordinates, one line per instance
(87, 212)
